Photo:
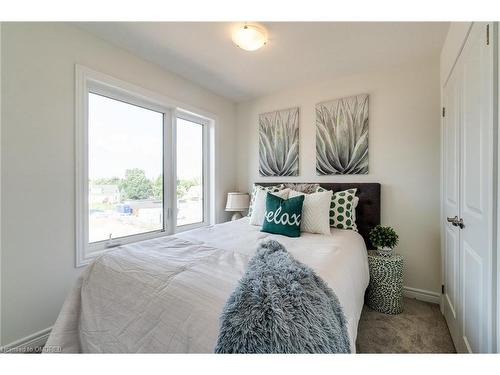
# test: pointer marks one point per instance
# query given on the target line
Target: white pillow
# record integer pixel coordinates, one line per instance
(259, 206)
(315, 211)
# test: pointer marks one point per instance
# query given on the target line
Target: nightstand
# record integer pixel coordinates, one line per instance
(385, 291)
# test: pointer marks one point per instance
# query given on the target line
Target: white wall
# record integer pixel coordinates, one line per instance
(37, 156)
(404, 153)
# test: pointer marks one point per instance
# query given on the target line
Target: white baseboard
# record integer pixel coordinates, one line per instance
(29, 344)
(422, 295)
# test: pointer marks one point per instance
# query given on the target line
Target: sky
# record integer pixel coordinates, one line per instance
(123, 136)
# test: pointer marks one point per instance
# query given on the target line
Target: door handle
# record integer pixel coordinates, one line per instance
(456, 222)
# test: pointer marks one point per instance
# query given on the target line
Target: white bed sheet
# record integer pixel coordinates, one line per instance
(166, 295)
(340, 259)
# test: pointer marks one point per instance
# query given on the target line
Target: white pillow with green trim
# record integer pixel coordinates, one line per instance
(259, 205)
(343, 209)
(271, 189)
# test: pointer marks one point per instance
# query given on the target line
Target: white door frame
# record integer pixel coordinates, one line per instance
(0, 185)
(442, 227)
(451, 199)
(496, 116)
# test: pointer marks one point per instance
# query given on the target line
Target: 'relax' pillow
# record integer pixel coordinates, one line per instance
(283, 216)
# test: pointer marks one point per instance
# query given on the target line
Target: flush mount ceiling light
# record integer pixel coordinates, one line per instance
(250, 37)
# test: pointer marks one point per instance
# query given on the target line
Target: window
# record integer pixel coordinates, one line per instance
(125, 160)
(190, 170)
(142, 166)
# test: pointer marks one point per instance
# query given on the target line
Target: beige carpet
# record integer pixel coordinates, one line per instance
(419, 329)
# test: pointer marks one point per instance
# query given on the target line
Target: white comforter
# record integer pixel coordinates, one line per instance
(166, 295)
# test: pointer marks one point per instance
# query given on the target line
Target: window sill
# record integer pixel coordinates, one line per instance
(187, 227)
(90, 255)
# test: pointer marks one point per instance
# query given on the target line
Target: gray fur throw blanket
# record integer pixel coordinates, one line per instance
(281, 306)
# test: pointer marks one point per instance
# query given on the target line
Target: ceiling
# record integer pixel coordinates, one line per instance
(297, 52)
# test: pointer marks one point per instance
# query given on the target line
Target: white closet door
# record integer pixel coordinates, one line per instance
(468, 154)
(476, 191)
(451, 198)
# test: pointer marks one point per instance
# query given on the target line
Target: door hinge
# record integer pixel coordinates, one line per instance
(442, 289)
(444, 111)
(488, 35)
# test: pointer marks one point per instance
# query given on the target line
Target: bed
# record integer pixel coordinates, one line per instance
(166, 295)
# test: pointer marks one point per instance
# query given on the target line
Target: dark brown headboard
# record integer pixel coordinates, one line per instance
(368, 210)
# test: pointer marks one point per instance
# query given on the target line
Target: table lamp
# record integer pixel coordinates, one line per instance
(237, 202)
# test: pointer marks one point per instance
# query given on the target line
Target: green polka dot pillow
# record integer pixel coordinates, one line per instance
(342, 209)
(270, 189)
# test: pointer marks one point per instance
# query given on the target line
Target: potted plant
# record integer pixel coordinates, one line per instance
(385, 239)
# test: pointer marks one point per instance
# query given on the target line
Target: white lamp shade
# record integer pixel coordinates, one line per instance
(237, 201)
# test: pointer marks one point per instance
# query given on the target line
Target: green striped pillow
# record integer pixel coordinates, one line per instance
(342, 209)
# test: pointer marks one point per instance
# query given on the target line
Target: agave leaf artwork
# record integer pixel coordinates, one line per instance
(342, 136)
(279, 143)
